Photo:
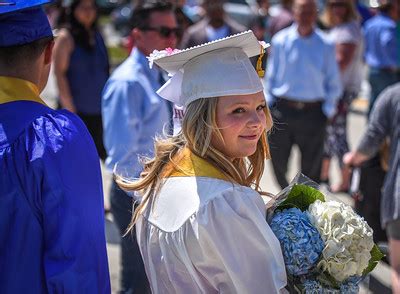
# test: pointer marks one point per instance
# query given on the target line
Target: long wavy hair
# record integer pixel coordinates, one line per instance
(198, 127)
(78, 32)
(351, 13)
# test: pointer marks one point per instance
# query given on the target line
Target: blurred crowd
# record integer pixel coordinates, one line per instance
(319, 56)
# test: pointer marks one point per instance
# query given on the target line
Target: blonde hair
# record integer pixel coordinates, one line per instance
(351, 14)
(198, 127)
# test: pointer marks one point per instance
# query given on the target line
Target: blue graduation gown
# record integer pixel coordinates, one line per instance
(52, 237)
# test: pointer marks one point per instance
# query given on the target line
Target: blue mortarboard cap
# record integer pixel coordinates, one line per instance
(22, 22)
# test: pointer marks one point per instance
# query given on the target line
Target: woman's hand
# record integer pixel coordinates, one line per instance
(354, 158)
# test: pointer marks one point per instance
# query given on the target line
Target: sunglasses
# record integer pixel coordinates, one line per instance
(164, 32)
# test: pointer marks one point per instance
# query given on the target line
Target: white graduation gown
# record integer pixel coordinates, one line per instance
(207, 235)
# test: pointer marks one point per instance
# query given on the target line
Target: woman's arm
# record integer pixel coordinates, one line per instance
(345, 54)
(379, 126)
(62, 52)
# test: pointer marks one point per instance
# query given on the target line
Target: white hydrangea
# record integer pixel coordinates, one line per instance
(348, 239)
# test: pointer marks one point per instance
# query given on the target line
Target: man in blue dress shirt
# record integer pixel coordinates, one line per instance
(133, 114)
(52, 236)
(302, 87)
(382, 48)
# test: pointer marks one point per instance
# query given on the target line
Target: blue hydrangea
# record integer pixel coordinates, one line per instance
(350, 285)
(300, 241)
(312, 287)
(331, 291)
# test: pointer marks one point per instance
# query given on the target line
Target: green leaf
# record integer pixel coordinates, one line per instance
(327, 280)
(293, 286)
(301, 196)
(376, 256)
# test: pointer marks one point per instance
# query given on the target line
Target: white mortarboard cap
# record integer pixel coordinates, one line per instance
(215, 69)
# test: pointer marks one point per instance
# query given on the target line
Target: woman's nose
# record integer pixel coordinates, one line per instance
(256, 119)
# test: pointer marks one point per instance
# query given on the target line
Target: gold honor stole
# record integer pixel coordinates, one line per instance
(187, 164)
(13, 89)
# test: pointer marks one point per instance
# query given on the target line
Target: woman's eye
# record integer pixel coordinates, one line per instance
(239, 110)
(261, 107)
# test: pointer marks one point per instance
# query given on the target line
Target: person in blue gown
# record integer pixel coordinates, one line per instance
(52, 237)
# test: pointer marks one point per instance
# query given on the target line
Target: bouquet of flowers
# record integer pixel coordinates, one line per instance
(327, 247)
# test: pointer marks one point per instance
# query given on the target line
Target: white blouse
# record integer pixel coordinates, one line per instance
(350, 33)
(207, 235)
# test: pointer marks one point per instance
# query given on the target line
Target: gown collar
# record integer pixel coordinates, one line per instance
(187, 164)
(14, 89)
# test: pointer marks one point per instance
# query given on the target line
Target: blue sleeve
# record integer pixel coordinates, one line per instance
(66, 165)
(379, 124)
(332, 82)
(388, 40)
(365, 43)
(122, 109)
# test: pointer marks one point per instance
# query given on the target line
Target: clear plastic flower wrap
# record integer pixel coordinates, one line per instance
(326, 246)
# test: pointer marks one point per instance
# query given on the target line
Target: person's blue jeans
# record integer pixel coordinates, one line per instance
(379, 80)
(133, 277)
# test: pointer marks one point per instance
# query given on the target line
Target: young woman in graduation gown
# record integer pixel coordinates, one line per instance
(201, 223)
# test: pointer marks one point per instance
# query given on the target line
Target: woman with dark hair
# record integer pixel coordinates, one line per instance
(81, 67)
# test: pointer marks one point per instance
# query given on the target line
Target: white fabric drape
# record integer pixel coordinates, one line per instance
(205, 235)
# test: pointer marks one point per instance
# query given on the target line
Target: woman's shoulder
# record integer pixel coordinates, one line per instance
(64, 38)
(183, 198)
(352, 26)
(347, 32)
(63, 34)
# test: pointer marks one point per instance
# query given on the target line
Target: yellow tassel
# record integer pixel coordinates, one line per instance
(260, 70)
